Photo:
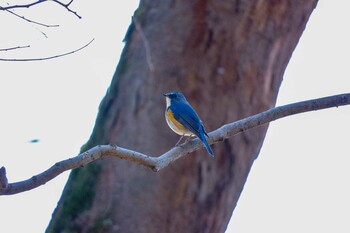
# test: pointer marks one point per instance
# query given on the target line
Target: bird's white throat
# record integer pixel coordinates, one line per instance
(167, 101)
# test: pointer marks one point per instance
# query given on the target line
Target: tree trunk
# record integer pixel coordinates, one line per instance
(228, 58)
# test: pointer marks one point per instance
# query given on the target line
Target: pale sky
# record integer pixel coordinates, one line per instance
(300, 181)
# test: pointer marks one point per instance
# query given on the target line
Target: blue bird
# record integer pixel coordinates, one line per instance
(183, 119)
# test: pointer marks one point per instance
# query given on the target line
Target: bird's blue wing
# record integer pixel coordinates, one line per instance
(186, 115)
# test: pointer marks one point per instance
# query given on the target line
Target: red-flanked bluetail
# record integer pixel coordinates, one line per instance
(183, 119)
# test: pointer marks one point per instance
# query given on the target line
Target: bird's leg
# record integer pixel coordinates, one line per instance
(179, 140)
(189, 138)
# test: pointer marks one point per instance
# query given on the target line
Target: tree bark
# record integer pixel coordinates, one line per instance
(228, 58)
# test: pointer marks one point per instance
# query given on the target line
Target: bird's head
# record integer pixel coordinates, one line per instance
(174, 97)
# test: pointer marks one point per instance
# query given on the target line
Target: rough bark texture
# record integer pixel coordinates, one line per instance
(228, 58)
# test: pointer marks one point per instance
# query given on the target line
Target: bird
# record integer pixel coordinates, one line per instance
(183, 119)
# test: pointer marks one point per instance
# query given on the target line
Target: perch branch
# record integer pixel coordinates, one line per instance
(158, 163)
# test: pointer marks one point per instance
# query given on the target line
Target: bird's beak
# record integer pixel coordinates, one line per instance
(165, 94)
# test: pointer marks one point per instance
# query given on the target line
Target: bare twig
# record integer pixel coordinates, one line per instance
(67, 7)
(28, 5)
(158, 163)
(32, 21)
(3, 178)
(145, 44)
(13, 48)
(22, 5)
(47, 58)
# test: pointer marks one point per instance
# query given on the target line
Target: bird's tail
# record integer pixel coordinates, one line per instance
(204, 140)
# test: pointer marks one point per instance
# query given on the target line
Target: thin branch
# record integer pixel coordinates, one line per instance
(32, 21)
(3, 178)
(145, 44)
(158, 163)
(46, 58)
(13, 48)
(22, 5)
(28, 5)
(67, 7)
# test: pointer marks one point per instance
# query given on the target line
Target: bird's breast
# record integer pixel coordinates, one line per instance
(175, 125)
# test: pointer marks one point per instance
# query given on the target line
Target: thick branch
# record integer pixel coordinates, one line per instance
(158, 163)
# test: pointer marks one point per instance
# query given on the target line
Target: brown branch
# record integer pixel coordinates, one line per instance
(47, 58)
(158, 163)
